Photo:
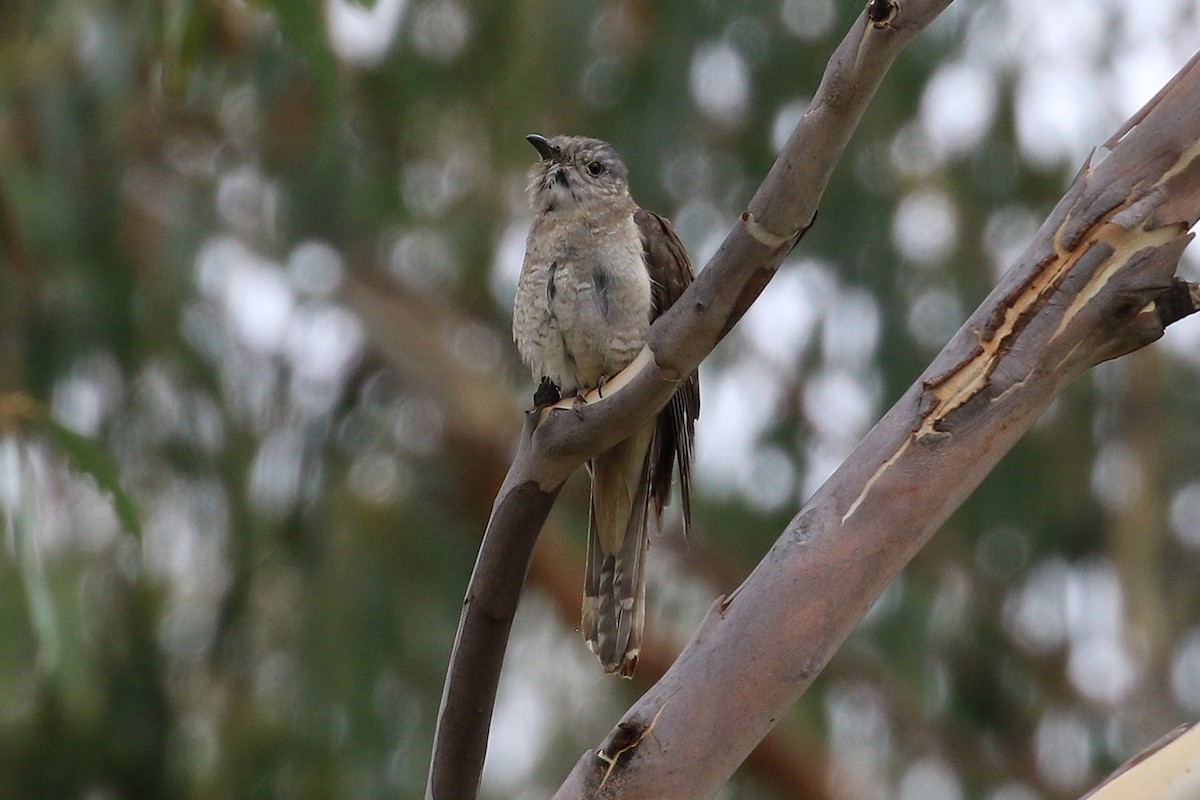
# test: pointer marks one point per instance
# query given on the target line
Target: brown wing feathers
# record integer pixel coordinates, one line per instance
(614, 602)
(670, 273)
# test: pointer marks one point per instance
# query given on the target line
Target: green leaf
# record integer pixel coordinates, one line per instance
(91, 457)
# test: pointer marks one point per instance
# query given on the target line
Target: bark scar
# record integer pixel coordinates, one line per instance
(767, 237)
(1127, 228)
(627, 736)
(882, 12)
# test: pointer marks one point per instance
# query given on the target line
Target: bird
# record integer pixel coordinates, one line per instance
(598, 270)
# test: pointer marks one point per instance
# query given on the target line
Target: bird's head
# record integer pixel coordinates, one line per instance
(574, 170)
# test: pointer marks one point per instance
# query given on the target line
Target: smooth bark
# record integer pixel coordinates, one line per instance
(1098, 281)
(777, 217)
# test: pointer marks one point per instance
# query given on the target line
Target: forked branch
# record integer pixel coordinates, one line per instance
(777, 216)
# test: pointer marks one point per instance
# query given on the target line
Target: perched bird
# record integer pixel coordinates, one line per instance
(598, 269)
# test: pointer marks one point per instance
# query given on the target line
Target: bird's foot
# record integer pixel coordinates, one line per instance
(547, 394)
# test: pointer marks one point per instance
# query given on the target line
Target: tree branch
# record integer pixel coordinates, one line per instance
(549, 452)
(1097, 282)
(406, 330)
(1165, 769)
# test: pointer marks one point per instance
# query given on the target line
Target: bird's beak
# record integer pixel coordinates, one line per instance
(542, 144)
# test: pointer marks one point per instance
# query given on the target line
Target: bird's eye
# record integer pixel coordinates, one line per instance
(595, 167)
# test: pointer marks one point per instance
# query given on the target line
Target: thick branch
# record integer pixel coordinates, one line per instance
(780, 212)
(407, 331)
(1166, 769)
(1097, 282)
(486, 622)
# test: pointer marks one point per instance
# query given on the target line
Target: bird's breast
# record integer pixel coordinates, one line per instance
(597, 293)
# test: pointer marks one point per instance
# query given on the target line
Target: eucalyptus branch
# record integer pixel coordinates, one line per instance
(1098, 281)
(406, 330)
(553, 445)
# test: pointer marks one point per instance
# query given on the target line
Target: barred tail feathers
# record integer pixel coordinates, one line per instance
(614, 605)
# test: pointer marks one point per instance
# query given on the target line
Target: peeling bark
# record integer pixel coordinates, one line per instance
(782, 209)
(1097, 282)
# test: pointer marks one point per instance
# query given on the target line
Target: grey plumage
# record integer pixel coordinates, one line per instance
(598, 269)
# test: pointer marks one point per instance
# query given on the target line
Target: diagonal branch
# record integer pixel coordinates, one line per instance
(406, 330)
(1098, 281)
(553, 447)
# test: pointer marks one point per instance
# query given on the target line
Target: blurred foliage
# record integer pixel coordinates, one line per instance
(257, 390)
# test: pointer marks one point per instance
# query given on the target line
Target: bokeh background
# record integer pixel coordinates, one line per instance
(257, 390)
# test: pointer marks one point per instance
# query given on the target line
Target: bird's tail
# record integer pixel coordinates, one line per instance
(614, 593)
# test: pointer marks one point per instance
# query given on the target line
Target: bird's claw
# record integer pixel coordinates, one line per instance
(547, 394)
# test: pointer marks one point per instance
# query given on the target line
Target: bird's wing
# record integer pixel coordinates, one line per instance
(670, 274)
(633, 478)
